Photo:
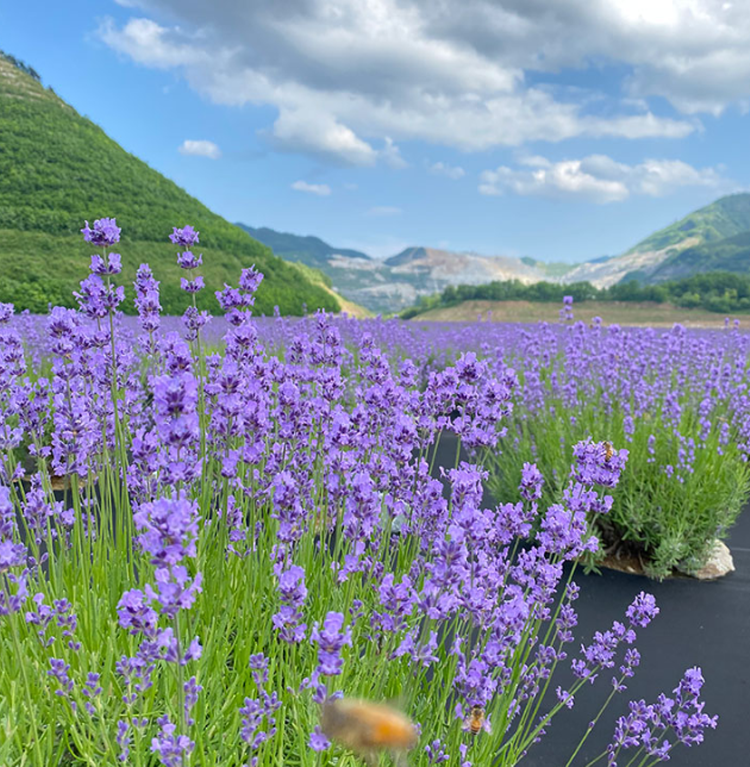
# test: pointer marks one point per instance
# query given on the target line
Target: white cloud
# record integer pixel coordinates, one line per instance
(150, 44)
(441, 169)
(391, 155)
(200, 149)
(533, 161)
(322, 190)
(596, 178)
(352, 79)
(384, 210)
(695, 53)
(319, 134)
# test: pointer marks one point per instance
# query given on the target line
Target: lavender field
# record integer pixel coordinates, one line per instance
(211, 527)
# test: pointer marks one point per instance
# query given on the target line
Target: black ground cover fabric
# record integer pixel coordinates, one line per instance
(704, 624)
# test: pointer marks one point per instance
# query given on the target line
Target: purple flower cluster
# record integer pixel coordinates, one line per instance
(193, 318)
(13, 590)
(97, 299)
(331, 639)
(657, 728)
(185, 237)
(292, 590)
(104, 234)
(64, 618)
(566, 313)
(172, 749)
(601, 653)
(258, 714)
(234, 302)
(168, 531)
(313, 442)
(147, 301)
(172, 446)
(108, 268)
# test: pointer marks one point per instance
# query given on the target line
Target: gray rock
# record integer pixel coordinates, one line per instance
(718, 564)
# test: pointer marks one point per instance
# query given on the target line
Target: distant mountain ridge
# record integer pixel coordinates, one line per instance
(399, 281)
(709, 239)
(308, 249)
(713, 238)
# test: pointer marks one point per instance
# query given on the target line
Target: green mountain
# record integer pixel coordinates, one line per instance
(732, 254)
(724, 218)
(58, 168)
(309, 250)
(713, 238)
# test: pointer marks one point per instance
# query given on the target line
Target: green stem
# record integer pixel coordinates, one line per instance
(27, 690)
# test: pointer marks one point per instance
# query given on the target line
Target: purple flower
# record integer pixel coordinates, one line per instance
(147, 299)
(135, 614)
(399, 600)
(13, 589)
(436, 753)
(563, 532)
(565, 697)
(169, 529)
(250, 279)
(192, 286)
(91, 298)
(175, 591)
(41, 617)
(7, 514)
(112, 266)
(171, 749)
(648, 726)
(188, 260)
(194, 320)
(104, 234)
(91, 689)
(185, 237)
(331, 640)
(594, 465)
(288, 619)
(643, 610)
(292, 585)
(532, 482)
(230, 298)
(192, 689)
(123, 740)
(318, 741)
(59, 671)
(255, 710)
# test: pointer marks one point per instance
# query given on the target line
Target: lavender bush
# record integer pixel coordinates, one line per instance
(677, 401)
(198, 548)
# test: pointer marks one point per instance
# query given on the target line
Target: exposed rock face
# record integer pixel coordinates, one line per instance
(718, 564)
(604, 274)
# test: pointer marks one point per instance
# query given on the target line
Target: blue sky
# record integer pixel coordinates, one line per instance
(560, 129)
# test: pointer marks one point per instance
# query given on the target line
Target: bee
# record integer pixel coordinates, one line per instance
(476, 721)
(609, 451)
(367, 728)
